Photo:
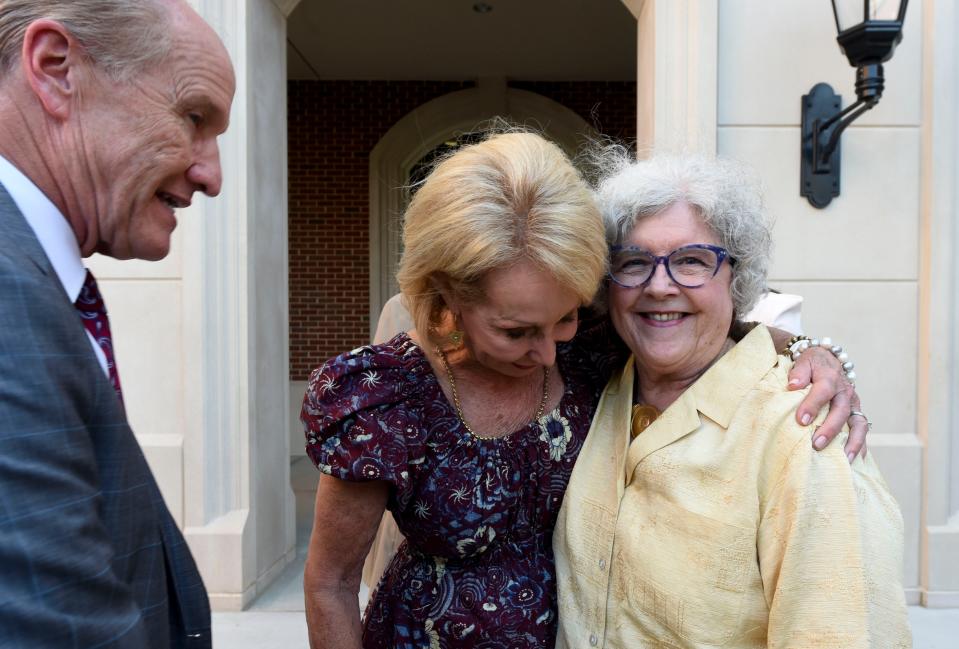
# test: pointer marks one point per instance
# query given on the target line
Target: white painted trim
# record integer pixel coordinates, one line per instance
(677, 74)
(419, 132)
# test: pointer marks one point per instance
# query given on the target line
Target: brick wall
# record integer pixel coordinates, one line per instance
(607, 106)
(333, 127)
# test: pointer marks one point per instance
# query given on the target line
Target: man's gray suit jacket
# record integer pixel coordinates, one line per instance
(89, 554)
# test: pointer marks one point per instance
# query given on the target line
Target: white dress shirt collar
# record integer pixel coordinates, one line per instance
(55, 235)
(51, 228)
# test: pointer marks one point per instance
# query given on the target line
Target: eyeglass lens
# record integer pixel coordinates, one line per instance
(689, 267)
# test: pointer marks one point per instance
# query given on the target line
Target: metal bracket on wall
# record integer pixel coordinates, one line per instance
(818, 178)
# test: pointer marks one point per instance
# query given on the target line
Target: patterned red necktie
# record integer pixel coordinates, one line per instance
(93, 312)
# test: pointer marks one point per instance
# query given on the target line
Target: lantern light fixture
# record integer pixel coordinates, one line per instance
(869, 31)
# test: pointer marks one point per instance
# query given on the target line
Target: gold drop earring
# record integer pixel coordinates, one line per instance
(456, 336)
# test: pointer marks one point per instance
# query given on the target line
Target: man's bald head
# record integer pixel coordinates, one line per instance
(121, 37)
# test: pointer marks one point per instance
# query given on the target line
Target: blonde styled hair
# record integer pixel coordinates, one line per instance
(121, 37)
(512, 197)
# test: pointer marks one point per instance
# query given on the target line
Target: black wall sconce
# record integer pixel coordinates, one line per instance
(869, 31)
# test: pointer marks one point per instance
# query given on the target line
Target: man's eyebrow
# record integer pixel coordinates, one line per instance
(200, 102)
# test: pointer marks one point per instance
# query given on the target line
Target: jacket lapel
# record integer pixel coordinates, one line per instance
(616, 410)
(679, 420)
(716, 395)
(18, 237)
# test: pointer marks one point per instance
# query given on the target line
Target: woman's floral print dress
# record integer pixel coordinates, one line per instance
(476, 569)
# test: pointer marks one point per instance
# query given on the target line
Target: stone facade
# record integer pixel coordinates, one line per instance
(204, 338)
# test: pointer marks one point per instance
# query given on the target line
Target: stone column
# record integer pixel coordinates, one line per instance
(939, 307)
(676, 74)
(238, 511)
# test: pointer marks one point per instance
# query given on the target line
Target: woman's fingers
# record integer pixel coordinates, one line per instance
(818, 367)
(839, 406)
(858, 428)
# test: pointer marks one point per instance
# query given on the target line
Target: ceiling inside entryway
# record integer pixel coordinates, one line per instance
(543, 40)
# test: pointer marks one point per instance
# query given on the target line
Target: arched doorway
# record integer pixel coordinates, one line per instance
(419, 133)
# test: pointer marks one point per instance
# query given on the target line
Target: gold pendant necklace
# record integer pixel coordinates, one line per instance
(456, 398)
(643, 415)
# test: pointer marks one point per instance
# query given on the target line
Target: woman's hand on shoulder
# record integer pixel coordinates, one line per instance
(819, 368)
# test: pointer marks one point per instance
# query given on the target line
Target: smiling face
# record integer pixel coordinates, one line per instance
(151, 143)
(514, 330)
(674, 332)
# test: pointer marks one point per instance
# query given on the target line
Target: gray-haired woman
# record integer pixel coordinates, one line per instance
(697, 514)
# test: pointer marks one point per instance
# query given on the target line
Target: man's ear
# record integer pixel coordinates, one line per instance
(49, 53)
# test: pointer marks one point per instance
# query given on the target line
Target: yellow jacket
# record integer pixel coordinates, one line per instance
(720, 526)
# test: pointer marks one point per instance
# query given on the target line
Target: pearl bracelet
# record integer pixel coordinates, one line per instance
(798, 344)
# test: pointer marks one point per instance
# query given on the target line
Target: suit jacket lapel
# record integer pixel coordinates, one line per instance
(18, 237)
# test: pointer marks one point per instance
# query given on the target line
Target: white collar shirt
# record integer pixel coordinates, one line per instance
(54, 233)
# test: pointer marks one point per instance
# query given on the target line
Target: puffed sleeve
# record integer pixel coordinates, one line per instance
(359, 419)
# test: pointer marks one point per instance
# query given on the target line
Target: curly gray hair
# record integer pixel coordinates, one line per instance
(121, 37)
(724, 193)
